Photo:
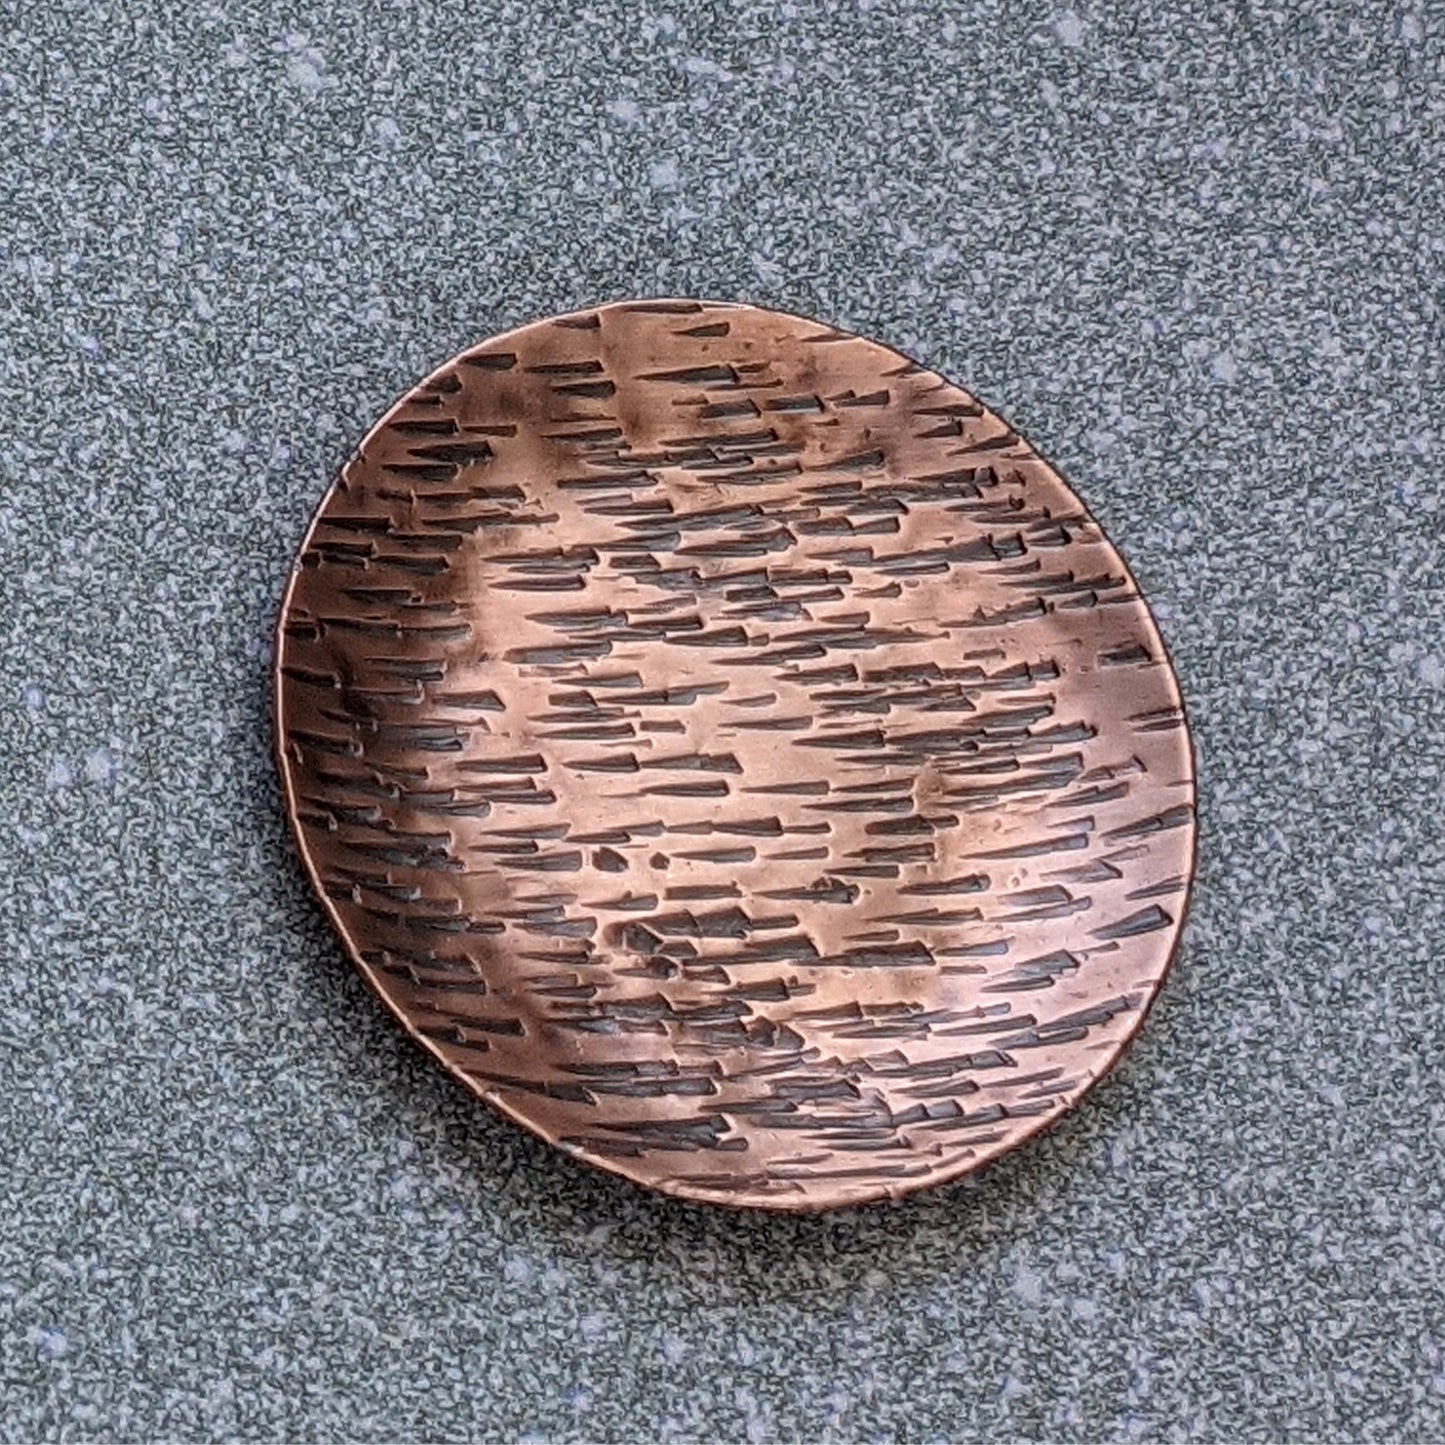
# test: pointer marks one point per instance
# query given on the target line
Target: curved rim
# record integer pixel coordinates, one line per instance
(840, 1198)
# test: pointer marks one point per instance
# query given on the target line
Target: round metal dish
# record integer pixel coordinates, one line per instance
(734, 754)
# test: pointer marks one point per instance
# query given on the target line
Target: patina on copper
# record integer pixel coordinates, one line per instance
(734, 754)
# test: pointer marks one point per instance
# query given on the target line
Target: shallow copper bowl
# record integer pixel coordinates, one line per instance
(734, 754)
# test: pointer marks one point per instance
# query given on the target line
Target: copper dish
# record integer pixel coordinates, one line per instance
(731, 752)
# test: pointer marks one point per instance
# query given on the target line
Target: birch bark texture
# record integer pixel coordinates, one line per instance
(733, 753)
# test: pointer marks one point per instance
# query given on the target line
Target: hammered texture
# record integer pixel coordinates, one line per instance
(734, 754)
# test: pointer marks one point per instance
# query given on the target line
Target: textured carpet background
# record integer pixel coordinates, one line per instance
(1197, 260)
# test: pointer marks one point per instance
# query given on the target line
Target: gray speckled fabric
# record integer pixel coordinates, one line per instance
(1194, 253)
